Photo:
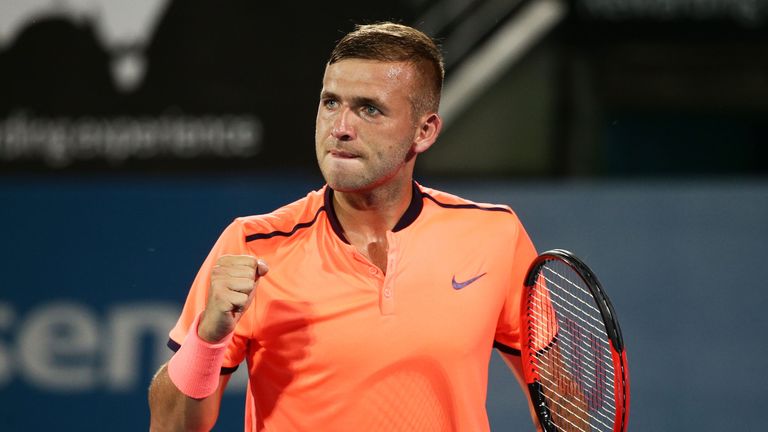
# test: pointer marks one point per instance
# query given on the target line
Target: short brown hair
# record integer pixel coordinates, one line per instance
(391, 42)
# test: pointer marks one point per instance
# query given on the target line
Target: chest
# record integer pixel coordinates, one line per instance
(341, 308)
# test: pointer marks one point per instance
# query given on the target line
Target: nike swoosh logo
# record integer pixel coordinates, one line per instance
(460, 285)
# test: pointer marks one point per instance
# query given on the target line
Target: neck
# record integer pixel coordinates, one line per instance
(367, 216)
(374, 212)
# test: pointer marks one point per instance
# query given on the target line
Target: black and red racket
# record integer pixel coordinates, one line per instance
(573, 354)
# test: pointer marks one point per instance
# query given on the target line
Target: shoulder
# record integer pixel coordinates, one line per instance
(453, 209)
(286, 219)
(448, 201)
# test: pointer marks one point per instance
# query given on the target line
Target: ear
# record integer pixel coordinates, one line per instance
(426, 135)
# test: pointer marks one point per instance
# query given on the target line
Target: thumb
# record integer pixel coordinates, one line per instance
(261, 268)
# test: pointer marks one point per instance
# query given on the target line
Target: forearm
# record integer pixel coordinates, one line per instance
(171, 410)
(190, 400)
(515, 364)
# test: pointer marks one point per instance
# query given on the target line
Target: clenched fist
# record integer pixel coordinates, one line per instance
(233, 285)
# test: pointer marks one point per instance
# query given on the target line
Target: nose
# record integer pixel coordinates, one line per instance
(342, 129)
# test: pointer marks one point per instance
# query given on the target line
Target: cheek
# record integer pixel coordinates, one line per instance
(319, 139)
(318, 124)
(321, 130)
(322, 120)
(393, 153)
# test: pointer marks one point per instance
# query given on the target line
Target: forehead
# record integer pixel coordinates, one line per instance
(369, 76)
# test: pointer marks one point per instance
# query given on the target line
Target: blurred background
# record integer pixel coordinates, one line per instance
(632, 132)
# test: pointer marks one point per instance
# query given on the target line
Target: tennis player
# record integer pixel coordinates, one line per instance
(372, 304)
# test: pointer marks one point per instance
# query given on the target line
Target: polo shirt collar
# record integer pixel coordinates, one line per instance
(409, 216)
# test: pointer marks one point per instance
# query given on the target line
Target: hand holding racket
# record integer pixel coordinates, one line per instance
(573, 355)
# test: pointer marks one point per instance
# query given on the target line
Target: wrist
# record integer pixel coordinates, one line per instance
(196, 366)
(205, 333)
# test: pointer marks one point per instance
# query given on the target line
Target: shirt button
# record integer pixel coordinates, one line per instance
(387, 293)
(372, 270)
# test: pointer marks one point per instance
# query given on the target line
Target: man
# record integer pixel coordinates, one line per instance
(372, 304)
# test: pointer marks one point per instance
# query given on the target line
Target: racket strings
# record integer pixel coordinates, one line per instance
(599, 336)
(582, 313)
(547, 331)
(581, 415)
(572, 345)
(578, 287)
(551, 384)
(573, 360)
(592, 381)
(599, 416)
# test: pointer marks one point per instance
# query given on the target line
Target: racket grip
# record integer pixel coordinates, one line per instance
(540, 405)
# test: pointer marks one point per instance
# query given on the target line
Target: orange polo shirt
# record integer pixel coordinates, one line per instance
(333, 344)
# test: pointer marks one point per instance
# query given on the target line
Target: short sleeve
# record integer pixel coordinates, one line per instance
(523, 253)
(230, 242)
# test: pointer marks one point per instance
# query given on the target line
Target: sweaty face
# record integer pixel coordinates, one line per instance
(364, 131)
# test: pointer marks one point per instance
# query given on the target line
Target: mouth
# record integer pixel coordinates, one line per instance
(342, 154)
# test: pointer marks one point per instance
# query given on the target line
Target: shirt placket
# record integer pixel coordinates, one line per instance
(385, 283)
(387, 292)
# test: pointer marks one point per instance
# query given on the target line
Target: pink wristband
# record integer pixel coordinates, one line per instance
(196, 366)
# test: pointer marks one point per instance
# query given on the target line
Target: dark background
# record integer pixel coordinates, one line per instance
(633, 133)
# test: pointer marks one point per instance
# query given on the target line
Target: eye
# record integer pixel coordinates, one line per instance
(370, 111)
(330, 104)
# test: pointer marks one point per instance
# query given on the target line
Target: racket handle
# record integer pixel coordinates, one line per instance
(540, 405)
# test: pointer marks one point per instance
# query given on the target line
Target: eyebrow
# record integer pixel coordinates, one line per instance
(355, 100)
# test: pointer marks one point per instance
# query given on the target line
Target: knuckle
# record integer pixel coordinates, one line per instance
(240, 284)
(216, 285)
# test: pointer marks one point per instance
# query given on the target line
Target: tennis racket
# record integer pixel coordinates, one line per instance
(574, 361)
